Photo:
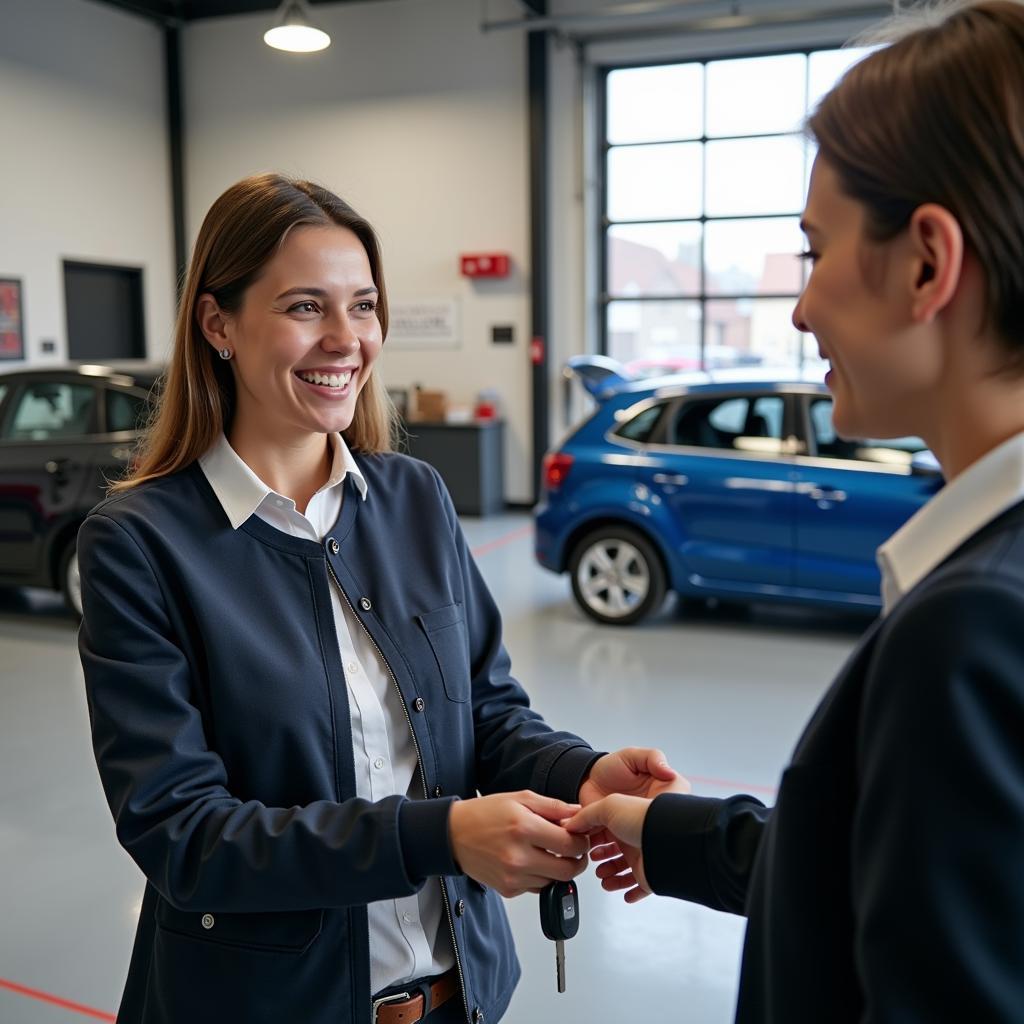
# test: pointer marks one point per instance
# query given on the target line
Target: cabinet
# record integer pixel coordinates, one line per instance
(470, 458)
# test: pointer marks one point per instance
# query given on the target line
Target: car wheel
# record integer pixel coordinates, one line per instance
(617, 576)
(70, 583)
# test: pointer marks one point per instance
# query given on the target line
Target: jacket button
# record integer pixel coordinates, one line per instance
(207, 921)
(419, 703)
(478, 1015)
(364, 603)
(438, 791)
(333, 545)
(460, 908)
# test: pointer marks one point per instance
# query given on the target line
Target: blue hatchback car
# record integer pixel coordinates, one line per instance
(729, 484)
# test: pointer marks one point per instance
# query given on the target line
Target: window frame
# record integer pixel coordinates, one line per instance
(604, 224)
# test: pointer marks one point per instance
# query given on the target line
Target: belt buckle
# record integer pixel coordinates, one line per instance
(378, 1003)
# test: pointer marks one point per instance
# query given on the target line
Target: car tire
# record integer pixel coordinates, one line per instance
(617, 575)
(70, 584)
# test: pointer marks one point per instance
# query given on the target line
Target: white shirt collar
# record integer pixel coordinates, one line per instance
(240, 491)
(981, 492)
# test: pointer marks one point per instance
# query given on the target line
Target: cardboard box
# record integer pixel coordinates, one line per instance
(429, 406)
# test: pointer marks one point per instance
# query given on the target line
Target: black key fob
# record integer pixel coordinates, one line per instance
(559, 910)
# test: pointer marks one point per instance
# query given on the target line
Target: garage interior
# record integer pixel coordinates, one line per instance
(457, 127)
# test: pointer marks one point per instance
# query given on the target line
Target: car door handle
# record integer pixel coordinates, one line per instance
(826, 494)
(676, 479)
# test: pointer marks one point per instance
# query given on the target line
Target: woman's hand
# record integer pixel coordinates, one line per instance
(615, 826)
(635, 771)
(512, 842)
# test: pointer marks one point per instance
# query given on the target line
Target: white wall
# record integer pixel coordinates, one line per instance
(419, 120)
(83, 159)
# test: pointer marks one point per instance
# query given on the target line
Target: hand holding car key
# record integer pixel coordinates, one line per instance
(559, 920)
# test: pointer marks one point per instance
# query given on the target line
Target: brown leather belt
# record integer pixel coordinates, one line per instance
(404, 1008)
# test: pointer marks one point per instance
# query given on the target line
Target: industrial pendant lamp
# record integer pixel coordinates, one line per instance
(293, 31)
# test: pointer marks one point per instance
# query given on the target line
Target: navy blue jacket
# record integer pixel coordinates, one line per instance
(220, 725)
(887, 884)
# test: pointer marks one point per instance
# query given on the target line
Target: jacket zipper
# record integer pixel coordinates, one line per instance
(419, 766)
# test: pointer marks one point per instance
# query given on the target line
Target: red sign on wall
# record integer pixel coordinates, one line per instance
(485, 264)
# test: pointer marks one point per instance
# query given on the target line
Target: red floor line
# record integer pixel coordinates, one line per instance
(64, 1004)
(500, 542)
(739, 787)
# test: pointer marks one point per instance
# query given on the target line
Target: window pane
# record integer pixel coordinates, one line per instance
(827, 67)
(734, 423)
(746, 177)
(52, 410)
(125, 411)
(655, 182)
(756, 96)
(744, 257)
(654, 259)
(641, 426)
(747, 332)
(813, 365)
(658, 337)
(656, 104)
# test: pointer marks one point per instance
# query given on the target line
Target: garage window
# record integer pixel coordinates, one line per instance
(705, 174)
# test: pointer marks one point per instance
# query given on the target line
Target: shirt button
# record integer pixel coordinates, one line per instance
(353, 668)
(333, 545)
(407, 918)
(438, 791)
(419, 704)
(379, 762)
(207, 921)
(460, 908)
(364, 602)
(279, 503)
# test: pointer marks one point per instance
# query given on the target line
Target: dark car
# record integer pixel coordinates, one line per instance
(730, 484)
(65, 433)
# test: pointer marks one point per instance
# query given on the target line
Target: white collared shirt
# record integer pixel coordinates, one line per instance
(407, 940)
(984, 490)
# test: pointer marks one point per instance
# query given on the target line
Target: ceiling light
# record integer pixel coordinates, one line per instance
(294, 31)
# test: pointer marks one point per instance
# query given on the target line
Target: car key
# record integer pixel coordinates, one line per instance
(559, 920)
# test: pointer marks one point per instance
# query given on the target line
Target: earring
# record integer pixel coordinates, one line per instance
(225, 353)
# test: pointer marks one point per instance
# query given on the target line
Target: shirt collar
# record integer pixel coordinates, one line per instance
(981, 492)
(240, 491)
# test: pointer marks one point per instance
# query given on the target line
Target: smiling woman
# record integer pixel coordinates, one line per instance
(259, 229)
(296, 679)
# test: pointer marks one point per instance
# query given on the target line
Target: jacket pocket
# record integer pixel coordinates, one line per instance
(446, 633)
(292, 931)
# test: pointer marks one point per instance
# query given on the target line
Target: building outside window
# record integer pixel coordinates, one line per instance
(706, 171)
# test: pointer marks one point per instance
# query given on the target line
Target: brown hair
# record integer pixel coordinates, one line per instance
(938, 117)
(241, 233)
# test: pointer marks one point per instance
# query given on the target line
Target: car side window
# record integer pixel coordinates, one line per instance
(748, 424)
(125, 411)
(641, 427)
(829, 445)
(51, 409)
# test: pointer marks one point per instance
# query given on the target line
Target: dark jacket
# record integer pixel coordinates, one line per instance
(887, 884)
(221, 730)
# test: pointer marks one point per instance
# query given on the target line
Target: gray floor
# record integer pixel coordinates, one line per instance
(724, 695)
